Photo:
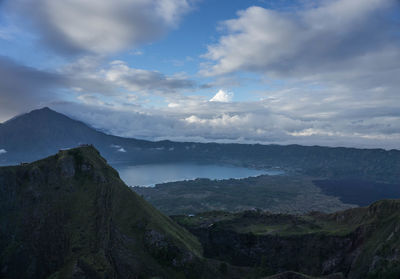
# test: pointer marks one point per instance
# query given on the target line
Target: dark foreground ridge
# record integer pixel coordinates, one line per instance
(70, 216)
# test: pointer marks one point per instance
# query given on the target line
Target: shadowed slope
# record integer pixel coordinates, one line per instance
(70, 215)
(359, 243)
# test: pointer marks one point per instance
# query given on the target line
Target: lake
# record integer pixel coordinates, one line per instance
(151, 174)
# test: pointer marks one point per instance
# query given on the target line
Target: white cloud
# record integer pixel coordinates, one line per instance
(222, 96)
(268, 121)
(119, 148)
(143, 80)
(122, 150)
(101, 26)
(2, 151)
(117, 78)
(330, 73)
(331, 40)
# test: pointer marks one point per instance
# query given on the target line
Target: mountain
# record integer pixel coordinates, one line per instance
(43, 132)
(358, 243)
(70, 216)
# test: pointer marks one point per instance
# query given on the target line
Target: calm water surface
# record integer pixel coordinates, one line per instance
(149, 175)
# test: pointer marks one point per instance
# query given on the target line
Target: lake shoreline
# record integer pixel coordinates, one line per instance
(148, 175)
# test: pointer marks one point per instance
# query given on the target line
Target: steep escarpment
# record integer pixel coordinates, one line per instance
(70, 216)
(357, 243)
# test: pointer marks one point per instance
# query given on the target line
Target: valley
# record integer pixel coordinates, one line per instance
(305, 185)
(278, 193)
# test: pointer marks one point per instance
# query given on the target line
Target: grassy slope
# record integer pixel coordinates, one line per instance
(74, 209)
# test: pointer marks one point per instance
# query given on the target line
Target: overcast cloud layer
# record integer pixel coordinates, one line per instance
(21, 87)
(326, 73)
(101, 26)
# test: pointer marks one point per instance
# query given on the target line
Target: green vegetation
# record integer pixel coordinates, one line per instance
(264, 223)
(289, 194)
(359, 242)
(70, 215)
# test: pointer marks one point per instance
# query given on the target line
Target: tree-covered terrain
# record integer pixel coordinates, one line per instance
(281, 193)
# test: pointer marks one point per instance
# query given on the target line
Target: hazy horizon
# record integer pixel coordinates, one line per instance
(222, 141)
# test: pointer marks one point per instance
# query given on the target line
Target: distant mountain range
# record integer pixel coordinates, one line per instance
(42, 132)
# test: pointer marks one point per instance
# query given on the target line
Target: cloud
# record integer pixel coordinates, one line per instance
(22, 87)
(329, 72)
(142, 80)
(117, 78)
(3, 151)
(337, 39)
(269, 121)
(101, 26)
(222, 96)
(122, 150)
(119, 148)
(86, 80)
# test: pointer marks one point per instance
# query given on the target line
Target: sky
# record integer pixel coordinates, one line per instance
(311, 72)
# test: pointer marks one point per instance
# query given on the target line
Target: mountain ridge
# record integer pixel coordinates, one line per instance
(70, 216)
(41, 133)
(52, 113)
